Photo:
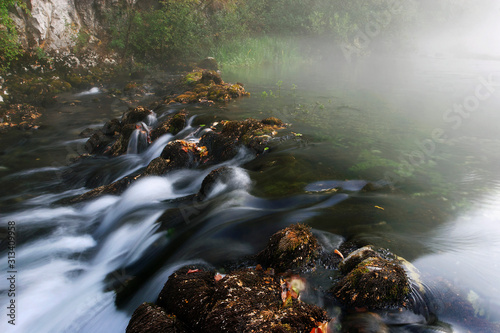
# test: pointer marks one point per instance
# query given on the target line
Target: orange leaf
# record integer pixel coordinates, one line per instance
(193, 271)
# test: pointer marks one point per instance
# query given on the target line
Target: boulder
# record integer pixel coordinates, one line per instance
(243, 301)
(374, 282)
(188, 294)
(220, 174)
(292, 248)
(135, 115)
(174, 124)
(152, 318)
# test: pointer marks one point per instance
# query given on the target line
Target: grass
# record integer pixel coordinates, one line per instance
(253, 51)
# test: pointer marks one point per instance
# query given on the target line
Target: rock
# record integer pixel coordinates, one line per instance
(356, 257)
(152, 318)
(367, 322)
(375, 283)
(292, 248)
(173, 125)
(112, 127)
(251, 133)
(188, 294)
(206, 87)
(121, 144)
(115, 188)
(157, 167)
(87, 133)
(251, 301)
(135, 115)
(183, 154)
(98, 143)
(210, 77)
(242, 301)
(220, 174)
(273, 121)
(209, 63)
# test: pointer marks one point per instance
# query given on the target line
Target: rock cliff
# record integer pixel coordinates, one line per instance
(57, 25)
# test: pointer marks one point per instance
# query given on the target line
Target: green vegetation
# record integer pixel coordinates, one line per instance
(245, 33)
(10, 48)
(237, 32)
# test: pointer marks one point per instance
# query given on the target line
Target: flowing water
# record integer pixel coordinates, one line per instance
(394, 122)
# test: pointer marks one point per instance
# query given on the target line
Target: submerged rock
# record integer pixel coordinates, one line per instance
(20, 116)
(292, 248)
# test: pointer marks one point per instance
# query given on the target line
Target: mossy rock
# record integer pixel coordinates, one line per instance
(188, 294)
(174, 124)
(121, 144)
(251, 301)
(375, 283)
(135, 115)
(292, 248)
(242, 301)
(356, 257)
(149, 318)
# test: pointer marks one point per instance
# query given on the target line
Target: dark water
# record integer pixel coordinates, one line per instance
(390, 121)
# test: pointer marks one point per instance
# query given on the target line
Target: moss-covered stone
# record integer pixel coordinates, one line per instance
(292, 248)
(242, 301)
(356, 257)
(149, 318)
(173, 124)
(207, 86)
(135, 115)
(374, 283)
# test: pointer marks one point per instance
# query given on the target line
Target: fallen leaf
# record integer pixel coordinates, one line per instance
(378, 207)
(193, 271)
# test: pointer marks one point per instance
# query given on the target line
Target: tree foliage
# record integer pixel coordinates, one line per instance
(9, 44)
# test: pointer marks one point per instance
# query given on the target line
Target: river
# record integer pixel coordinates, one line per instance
(423, 128)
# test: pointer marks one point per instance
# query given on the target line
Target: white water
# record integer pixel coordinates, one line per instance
(63, 274)
(91, 91)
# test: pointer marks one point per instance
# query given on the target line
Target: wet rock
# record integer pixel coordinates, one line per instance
(157, 167)
(209, 63)
(98, 143)
(292, 248)
(367, 322)
(173, 125)
(251, 301)
(374, 283)
(121, 144)
(273, 121)
(135, 115)
(183, 154)
(115, 188)
(210, 77)
(220, 174)
(242, 301)
(112, 127)
(152, 318)
(188, 294)
(251, 133)
(206, 86)
(356, 257)
(87, 133)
